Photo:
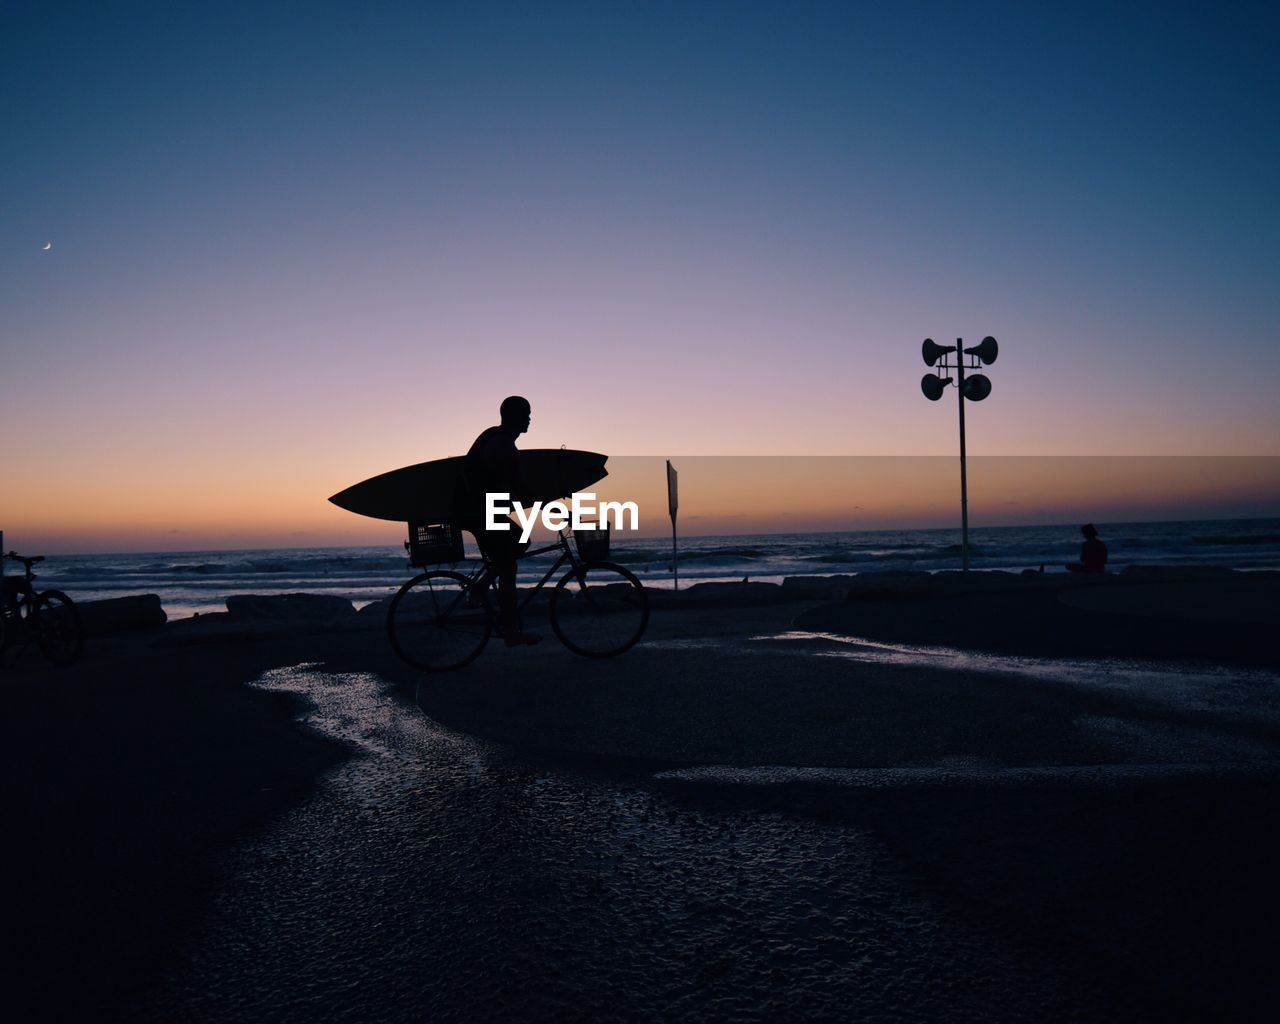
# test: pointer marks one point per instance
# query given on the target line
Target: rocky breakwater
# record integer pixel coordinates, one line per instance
(121, 614)
(260, 616)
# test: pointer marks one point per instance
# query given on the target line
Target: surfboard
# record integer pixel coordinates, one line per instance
(425, 493)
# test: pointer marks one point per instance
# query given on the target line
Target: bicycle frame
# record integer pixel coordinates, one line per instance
(566, 555)
(46, 616)
(18, 591)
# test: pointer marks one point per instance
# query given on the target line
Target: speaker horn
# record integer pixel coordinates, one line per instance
(932, 351)
(933, 386)
(986, 351)
(977, 387)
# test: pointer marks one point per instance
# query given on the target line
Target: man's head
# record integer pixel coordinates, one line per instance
(1089, 530)
(516, 413)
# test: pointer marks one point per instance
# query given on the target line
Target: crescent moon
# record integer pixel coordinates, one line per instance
(47, 246)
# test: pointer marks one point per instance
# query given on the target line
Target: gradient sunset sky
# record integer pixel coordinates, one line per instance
(294, 246)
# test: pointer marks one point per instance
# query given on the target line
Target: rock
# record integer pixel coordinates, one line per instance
(216, 629)
(375, 609)
(832, 587)
(893, 578)
(1177, 572)
(378, 609)
(120, 614)
(735, 594)
(291, 607)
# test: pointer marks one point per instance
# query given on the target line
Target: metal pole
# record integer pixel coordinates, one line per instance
(673, 503)
(964, 488)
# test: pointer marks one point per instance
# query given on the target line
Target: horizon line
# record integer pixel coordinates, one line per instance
(698, 536)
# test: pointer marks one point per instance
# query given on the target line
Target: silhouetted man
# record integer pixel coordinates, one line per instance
(1093, 553)
(492, 466)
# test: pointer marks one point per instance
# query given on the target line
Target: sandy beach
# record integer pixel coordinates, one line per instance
(1059, 792)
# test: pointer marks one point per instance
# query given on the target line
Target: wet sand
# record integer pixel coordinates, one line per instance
(767, 809)
(122, 775)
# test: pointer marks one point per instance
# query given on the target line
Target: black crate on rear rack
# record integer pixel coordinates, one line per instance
(434, 544)
(593, 545)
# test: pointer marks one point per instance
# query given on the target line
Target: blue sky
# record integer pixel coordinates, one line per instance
(296, 245)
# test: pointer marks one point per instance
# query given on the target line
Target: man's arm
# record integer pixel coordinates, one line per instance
(504, 460)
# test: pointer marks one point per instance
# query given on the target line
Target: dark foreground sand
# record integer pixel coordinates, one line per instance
(1131, 825)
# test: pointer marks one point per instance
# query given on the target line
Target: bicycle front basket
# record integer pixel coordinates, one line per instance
(434, 544)
(593, 545)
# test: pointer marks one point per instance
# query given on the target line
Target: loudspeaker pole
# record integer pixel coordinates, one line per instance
(975, 389)
(964, 482)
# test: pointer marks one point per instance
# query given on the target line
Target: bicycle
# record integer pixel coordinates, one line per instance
(48, 616)
(441, 619)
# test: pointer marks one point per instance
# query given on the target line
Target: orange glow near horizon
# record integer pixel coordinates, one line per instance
(196, 510)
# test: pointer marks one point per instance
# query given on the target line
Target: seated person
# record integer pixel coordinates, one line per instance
(1093, 553)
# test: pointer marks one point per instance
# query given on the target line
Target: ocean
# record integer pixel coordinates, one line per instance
(200, 581)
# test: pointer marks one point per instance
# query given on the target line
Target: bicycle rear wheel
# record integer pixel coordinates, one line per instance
(436, 624)
(57, 628)
(599, 609)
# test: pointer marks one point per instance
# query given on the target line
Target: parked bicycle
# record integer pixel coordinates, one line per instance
(441, 620)
(46, 617)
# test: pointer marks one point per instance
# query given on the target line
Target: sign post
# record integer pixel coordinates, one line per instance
(673, 503)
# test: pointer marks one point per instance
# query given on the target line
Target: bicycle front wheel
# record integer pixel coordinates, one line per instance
(57, 627)
(599, 609)
(436, 624)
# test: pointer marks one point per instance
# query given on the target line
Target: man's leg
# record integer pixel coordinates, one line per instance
(502, 549)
